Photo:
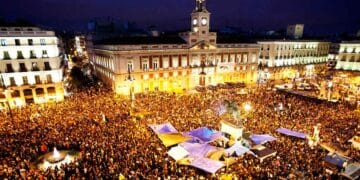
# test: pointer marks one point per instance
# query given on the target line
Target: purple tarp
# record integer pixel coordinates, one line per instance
(204, 134)
(291, 133)
(208, 165)
(261, 138)
(166, 128)
(197, 150)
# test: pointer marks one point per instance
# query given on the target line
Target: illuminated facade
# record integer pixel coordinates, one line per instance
(30, 66)
(290, 59)
(175, 64)
(348, 57)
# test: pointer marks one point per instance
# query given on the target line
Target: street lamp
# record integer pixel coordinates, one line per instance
(7, 101)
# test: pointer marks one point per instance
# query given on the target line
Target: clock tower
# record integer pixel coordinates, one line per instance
(200, 26)
(200, 17)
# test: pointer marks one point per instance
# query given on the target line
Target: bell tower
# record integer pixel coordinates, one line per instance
(200, 26)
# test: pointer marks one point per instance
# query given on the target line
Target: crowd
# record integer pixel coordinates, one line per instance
(124, 146)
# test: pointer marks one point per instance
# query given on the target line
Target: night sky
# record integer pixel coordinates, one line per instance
(319, 16)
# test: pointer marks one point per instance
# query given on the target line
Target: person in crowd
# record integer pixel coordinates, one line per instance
(122, 147)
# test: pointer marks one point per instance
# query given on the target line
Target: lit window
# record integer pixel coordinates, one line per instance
(155, 64)
(42, 42)
(145, 66)
(44, 53)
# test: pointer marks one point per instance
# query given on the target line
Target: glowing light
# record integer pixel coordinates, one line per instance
(247, 107)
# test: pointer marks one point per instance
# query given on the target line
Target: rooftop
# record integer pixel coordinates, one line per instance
(231, 39)
(142, 40)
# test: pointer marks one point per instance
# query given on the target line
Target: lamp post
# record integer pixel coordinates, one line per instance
(7, 101)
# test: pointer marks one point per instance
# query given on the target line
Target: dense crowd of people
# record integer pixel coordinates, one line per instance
(124, 146)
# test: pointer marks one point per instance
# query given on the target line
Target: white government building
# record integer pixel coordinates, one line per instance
(292, 58)
(175, 63)
(30, 66)
(348, 57)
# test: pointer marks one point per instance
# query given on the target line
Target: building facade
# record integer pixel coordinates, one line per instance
(30, 66)
(174, 64)
(348, 57)
(282, 59)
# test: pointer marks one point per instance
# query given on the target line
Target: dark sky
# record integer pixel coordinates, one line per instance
(319, 16)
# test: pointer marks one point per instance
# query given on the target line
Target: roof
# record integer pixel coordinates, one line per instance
(233, 39)
(142, 40)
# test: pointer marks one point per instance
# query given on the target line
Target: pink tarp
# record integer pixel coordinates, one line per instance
(261, 138)
(208, 165)
(166, 128)
(291, 133)
(197, 150)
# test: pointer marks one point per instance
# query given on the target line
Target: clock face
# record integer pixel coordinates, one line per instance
(203, 21)
(195, 21)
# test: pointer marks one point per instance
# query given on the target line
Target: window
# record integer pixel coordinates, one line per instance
(12, 81)
(32, 54)
(51, 90)
(25, 80)
(20, 55)
(30, 42)
(48, 78)
(47, 66)
(6, 55)
(28, 92)
(42, 42)
(37, 79)
(22, 67)
(44, 54)
(145, 66)
(35, 66)
(3, 42)
(9, 68)
(17, 42)
(39, 91)
(155, 64)
(15, 93)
